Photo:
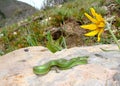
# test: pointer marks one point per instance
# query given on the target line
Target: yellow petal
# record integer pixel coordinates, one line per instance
(90, 18)
(93, 11)
(102, 24)
(99, 17)
(100, 32)
(90, 26)
(92, 33)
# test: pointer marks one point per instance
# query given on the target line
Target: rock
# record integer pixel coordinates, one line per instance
(103, 68)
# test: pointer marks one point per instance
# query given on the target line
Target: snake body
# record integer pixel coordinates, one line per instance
(62, 64)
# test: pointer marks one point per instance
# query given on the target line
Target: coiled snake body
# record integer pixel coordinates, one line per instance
(62, 64)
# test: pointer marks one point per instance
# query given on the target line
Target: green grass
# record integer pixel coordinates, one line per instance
(32, 32)
(118, 1)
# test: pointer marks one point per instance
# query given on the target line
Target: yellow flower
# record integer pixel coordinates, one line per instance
(97, 26)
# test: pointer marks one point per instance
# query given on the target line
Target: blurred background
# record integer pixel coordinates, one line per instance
(54, 24)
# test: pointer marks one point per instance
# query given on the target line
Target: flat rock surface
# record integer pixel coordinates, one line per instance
(103, 68)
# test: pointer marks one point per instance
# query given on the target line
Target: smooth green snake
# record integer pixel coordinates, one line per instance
(62, 64)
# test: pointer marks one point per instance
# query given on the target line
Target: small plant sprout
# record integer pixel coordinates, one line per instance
(99, 24)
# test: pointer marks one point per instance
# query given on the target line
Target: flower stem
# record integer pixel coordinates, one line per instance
(114, 37)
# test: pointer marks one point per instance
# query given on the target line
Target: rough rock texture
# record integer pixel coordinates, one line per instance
(103, 68)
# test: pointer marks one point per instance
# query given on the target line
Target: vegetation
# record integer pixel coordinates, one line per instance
(59, 26)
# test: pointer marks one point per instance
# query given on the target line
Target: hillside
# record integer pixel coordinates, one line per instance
(12, 11)
(58, 27)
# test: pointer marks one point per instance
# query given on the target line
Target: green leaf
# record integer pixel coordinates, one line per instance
(53, 45)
